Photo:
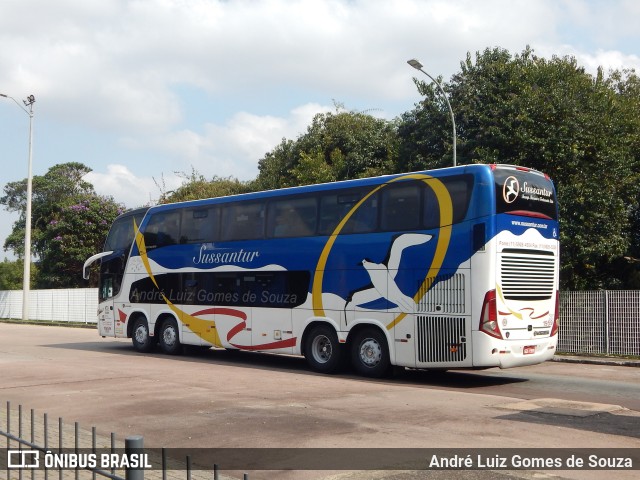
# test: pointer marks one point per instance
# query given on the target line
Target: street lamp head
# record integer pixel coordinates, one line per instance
(415, 63)
(418, 66)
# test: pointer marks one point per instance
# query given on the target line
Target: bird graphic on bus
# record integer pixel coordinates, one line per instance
(383, 276)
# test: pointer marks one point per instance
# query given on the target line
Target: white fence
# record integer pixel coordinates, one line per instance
(69, 305)
(603, 322)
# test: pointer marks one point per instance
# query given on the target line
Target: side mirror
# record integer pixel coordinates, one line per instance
(90, 261)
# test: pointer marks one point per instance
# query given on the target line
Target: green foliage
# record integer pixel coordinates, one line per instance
(314, 168)
(195, 186)
(74, 233)
(336, 146)
(12, 273)
(50, 191)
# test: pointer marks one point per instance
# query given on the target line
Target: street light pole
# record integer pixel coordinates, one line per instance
(418, 66)
(26, 281)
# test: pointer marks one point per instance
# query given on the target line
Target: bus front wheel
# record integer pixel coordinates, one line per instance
(370, 353)
(322, 350)
(170, 337)
(140, 338)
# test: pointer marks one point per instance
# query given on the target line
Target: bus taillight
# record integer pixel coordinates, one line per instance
(556, 319)
(489, 316)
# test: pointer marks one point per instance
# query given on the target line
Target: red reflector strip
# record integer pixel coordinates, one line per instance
(527, 213)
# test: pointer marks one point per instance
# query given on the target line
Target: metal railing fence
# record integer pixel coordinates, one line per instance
(31, 434)
(604, 322)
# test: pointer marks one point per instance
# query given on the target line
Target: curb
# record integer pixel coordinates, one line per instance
(619, 362)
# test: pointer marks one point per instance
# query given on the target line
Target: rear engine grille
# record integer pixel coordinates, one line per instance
(527, 274)
(443, 294)
(441, 339)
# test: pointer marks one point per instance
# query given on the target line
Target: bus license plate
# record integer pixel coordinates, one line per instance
(529, 350)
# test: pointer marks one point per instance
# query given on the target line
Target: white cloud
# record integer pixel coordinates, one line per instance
(614, 60)
(230, 149)
(125, 187)
(113, 64)
(233, 148)
(591, 61)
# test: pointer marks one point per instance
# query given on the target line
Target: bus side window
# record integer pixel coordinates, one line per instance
(199, 225)
(292, 218)
(333, 209)
(163, 229)
(242, 221)
(400, 207)
(431, 217)
(459, 188)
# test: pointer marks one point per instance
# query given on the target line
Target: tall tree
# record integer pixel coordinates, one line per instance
(70, 223)
(336, 146)
(73, 233)
(50, 191)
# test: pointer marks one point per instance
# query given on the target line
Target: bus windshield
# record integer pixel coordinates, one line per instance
(122, 233)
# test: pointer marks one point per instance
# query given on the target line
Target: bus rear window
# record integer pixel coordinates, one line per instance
(522, 192)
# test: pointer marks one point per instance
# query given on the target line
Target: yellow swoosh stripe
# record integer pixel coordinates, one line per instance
(206, 329)
(444, 238)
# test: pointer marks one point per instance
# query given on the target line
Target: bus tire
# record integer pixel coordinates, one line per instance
(370, 353)
(322, 350)
(140, 337)
(169, 337)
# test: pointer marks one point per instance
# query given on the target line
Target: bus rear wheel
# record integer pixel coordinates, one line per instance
(170, 337)
(322, 350)
(140, 337)
(370, 353)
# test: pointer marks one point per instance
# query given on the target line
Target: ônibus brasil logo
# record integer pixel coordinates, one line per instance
(510, 189)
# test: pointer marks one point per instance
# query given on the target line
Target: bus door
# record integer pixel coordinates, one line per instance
(111, 274)
(106, 314)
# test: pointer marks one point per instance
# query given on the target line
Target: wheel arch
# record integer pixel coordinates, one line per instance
(383, 366)
(163, 317)
(313, 323)
(132, 320)
(367, 324)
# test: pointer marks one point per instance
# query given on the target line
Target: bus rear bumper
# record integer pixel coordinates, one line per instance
(491, 352)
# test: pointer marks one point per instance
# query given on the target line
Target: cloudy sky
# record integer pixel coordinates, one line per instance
(141, 89)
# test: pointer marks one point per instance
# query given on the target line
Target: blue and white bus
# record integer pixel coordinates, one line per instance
(444, 269)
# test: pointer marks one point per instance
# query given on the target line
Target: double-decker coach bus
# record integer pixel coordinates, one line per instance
(444, 269)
